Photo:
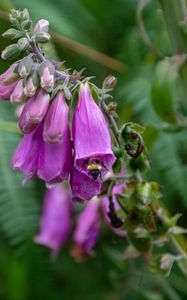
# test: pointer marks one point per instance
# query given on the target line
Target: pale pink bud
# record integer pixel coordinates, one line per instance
(30, 88)
(47, 80)
(41, 25)
(18, 95)
(38, 107)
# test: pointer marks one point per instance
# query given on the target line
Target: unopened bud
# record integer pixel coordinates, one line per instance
(31, 85)
(25, 66)
(112, 106)
(12, 34)
(10, 52)
(18, 95)
(25, 14)
(41, 25)
(23, 44)
(26, 24)
(42, 37)
(47, 71)
(109, 82)
(38, 107)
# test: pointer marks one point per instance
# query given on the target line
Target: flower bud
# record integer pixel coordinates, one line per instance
(109, 82)
(25, 125)
(9, 76)
(56, 120)
(18, 95)
(87, 230)
(41, 25)
(23, 43)
(42, 37)
(24, 14)
(26, 24)
(25, 66)
(10, 52)
(38, 107)
(12, 34)
(30, 87)
(47, 75)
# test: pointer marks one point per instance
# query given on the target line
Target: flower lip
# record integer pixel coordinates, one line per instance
(83, 187)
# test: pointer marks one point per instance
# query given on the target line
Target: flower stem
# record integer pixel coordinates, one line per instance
(111, 121)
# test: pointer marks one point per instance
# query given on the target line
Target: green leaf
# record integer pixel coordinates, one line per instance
(162, 91)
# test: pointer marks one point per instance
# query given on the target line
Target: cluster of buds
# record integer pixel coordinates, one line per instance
(57, 148)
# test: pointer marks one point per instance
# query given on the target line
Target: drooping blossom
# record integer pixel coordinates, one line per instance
(56, 120)
(9, 76)
(87, 230)
(26, 125)
(25, 158)
(55, 160)
(83, 186)
(18, 95)
(105, 203)
(38, 106)
(55, 223)
(6, 90)
(91, 136)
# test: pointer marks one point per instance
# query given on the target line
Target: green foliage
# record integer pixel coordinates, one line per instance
(18, 204)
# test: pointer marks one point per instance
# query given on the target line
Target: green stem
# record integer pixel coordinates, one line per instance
(178, 248)
(172, 18)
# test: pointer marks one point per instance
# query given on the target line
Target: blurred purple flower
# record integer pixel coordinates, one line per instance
(56, 120)
(117, 189)
(55, 223)
(83, 186)
(91, 136)
(87, 230)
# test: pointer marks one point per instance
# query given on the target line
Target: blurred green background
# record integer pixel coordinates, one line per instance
(104, 37)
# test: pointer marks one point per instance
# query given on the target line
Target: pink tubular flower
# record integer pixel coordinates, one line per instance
(87, 230)
(6, 90)
(83, 186)
(25, 158)
(91, 136)
(55, 160)
(105, 203)
(25, 125)
(9, 76)
(38, 107)
(56, 120)
(18, 95)
(55, 224)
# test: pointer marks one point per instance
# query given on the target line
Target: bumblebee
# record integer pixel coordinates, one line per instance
(94, 168)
